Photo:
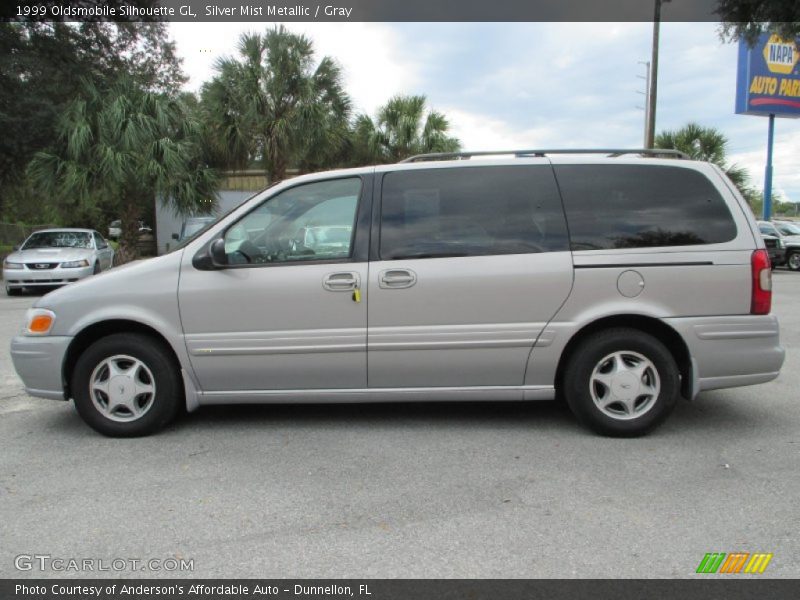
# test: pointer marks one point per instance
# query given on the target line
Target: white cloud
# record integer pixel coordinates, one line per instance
(369, 54)
(372, 58)
(201, 44)
(785, 163)
(481, 132)
(516, 85)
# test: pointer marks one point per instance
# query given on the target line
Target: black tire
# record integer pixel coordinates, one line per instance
(13, 291)
(96, 269)
(578, 385)
(793, 261)
(166, 401)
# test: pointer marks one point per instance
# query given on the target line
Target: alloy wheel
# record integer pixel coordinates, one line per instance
(624, 385)
(122, 388)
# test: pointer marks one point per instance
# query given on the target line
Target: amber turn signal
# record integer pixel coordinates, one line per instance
(40, 322)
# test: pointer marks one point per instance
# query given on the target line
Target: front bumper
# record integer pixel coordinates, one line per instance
(20, 278)
(731, 351)
(38, 361)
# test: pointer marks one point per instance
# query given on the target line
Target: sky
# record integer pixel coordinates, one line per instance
(535, 85)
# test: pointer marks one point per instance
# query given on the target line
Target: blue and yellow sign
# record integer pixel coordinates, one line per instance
(768, 80)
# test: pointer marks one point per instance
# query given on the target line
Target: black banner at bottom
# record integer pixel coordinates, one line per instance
(733, 588)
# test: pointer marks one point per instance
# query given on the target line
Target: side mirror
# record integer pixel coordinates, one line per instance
(175, 236)
(211, 257)
(217, 251)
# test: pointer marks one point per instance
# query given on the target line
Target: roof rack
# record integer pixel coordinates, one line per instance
(610, 152)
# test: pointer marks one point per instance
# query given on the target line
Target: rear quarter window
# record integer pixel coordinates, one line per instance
(642, 206)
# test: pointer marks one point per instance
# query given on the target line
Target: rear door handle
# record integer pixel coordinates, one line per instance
(341, 282)
(397, 278)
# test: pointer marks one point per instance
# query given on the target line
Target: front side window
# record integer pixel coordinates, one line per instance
(310, 222)
(99, 242)
(642, 206)
(471, 211)
(191, 227)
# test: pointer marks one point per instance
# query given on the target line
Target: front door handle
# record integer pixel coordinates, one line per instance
(397, 278)
(341, 282)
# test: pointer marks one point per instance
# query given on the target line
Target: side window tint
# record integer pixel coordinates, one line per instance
(314, 221)
(100, 242)
(471, 211)
(641, 206)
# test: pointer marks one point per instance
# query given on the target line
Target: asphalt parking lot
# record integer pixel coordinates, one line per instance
(412, 490)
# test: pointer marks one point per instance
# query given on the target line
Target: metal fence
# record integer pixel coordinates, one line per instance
(14, 233)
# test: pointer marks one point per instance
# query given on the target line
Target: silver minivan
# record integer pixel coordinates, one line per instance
(618, 283)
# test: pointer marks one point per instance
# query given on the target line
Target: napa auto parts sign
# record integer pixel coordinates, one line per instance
(768, 80)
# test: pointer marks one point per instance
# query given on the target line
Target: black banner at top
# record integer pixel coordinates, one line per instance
(357, 10)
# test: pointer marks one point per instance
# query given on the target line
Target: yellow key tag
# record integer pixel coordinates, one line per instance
(356, 295)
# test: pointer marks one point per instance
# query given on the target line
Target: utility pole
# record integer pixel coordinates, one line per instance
(766, 212)
(646, 94)
(651, 112)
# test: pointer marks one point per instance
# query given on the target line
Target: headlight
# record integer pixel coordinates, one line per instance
(780, 243)
(75, 264)
(39, 321)
(11, 265)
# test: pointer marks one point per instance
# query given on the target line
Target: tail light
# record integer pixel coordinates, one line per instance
(761, 271)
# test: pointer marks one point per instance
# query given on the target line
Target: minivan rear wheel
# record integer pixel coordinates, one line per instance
(621, 382)
(126, 385)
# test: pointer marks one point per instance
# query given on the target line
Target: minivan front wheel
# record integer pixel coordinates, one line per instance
(126, 385)
(621, 382)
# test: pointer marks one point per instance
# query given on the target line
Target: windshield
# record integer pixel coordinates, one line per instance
(767, 229)
(58, 239)
(788, 228)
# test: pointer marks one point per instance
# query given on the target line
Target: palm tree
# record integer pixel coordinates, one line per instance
(120, 149)
(707, 144)
(271, 106)
(402, 129)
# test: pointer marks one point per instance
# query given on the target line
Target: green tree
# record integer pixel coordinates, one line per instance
(42, 67)
(271, 106)
(403, 127)
(747, 19)
(779, 206)
(706, 144)
(121, 148)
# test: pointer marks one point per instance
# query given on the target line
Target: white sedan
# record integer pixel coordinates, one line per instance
(55, 257)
